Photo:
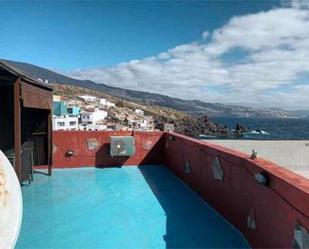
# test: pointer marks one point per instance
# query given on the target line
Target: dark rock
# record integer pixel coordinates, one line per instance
(240, 128)
(259, 130)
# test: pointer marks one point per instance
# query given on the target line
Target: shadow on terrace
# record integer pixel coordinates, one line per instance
(190, 222)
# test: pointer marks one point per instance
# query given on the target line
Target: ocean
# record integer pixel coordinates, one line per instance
(269, 129)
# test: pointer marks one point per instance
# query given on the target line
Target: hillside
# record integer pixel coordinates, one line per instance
(69, 92)
(184, 123)
(194, 107)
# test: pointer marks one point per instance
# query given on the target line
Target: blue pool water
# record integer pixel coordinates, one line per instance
(128, 207)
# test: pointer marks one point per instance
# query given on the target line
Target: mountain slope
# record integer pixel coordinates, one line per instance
(189, 106)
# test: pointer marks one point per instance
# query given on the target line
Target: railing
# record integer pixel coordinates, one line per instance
(264, 201)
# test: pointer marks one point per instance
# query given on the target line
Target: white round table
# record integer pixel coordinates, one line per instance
(10, 204)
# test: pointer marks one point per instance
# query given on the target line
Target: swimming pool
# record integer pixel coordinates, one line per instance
(128, 207)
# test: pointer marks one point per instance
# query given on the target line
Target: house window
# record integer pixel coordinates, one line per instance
(61, 124)
(72, 123)
(70, 110)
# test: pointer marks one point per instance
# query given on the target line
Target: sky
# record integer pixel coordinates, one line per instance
(236, 52)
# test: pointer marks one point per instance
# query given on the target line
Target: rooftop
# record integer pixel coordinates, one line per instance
(6, 67)
(165, 190)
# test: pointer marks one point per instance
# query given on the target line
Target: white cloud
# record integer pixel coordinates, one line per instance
(275, 45)
(265, 30)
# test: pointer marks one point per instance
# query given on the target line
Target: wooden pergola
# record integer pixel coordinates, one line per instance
(27, 116)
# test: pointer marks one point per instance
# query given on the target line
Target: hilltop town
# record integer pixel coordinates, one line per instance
(77, 108)
(87, 112)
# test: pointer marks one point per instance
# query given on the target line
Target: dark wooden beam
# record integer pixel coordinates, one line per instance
(6, 78)
(50, 143)
(17, 128)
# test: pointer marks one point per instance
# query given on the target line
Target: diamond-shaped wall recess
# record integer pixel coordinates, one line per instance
(217, 169)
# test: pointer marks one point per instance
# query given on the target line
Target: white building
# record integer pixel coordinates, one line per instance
(92, 127)
(110, 104)
(65, 123)
(93, 117)
(140, 112)
(88, 98)
(56, 98)
(103, 102)
(86, 117)
(106, 103)
(147, 123)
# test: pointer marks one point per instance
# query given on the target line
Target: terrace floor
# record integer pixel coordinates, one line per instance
(128, 207)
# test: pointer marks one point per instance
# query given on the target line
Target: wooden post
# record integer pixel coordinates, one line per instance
(50, 143)
(17, 128)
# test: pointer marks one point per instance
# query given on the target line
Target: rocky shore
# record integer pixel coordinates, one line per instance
(202, 126)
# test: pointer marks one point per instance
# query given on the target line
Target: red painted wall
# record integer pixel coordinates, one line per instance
(277, 208)
(149, 149)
